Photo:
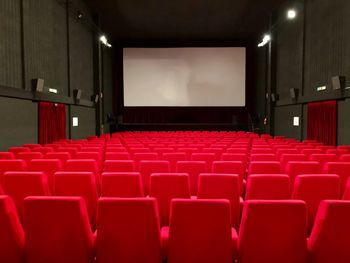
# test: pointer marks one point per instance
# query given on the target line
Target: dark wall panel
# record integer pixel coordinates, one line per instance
(19, 122)
(87, 122)
(260, 85)
(10, 44)
(304, 135)
(45, 41)
(344, 122)
(284, 121)
(107, 85)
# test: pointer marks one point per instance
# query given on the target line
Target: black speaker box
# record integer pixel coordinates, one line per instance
(38, 85)
(294, 93)
(77, 94)
(338, 82)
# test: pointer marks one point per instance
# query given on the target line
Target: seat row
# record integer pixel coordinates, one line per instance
(57, 230)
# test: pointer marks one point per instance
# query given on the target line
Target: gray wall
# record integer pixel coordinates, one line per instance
(309, 51)
(45, 39)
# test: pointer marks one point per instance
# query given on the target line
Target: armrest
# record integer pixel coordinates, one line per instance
(164, 241)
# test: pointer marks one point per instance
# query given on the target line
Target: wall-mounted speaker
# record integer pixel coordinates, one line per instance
(38, 85)
(95, 98)
(338, 82)
(77, 94)
(294, 93)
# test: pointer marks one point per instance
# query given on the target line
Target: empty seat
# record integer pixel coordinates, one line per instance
(235, 157)
(285, 158)
(12, 235)
(199, 232)
(193, 169)
(338, 152)
(71, 150)
(329, 239)
(173, 158)
(144, 156)
(308, 152)
(273, 231)
(323, 158)
(216, 151)
(12, 166)
(84, 165)
(340, 168)
(263, 157)
(281, 151)
(119, 166)
(262, 151)
(48, 166)
(62, 156)
(313, 188)
(293, 169)
(19, 185)
(90, 155)
(128, 231)
(31, 146)
(342, 158)
(264, 168)
(121, 185)
(205, 157)
(222, 186)
(268, 187)
(16, 150)
(6, 155)
(230, 167)
(117, 156)
(79, 184)
(43, 150)
(148, 167)
(165, 187)
(57, 230)
(188, 151)
(28, 156)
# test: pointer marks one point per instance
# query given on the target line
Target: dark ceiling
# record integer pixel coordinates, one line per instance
(184, 19)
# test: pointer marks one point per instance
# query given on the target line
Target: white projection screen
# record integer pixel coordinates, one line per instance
(184, 77)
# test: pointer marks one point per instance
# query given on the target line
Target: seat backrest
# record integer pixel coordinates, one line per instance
(235, 157)
(193, 169)
(329, 239)
(342, 158)
(16, 150)
(294, 168)
(273, 231)
(62, 156)
(222, 186)
(264, 168)
(281, 151)
(90, 155)
(84, 165)
(6, 156)
(12, 235)
(312, 189)
(48, 166)
(72, 150)
(117, 156)
(267, 187)
(28, 156)
(12, 165)
(188, 151)
(173, 158)
(43, 150)
(338, 152)
(323, 158)
(205, 157)
(128, 231)
(200, 231)
(139, 156)
(119, 166)
(308, 152)
(121, 185)
(263, 157)
(81, 184)
(340, 168)
(147, 168)
(165, 187)
(20, 185)
(57, 230)
(285, 158)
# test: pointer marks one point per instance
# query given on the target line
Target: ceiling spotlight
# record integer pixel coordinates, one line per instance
(266, 39)
(79, 15)
(104, 40)
(291, 14)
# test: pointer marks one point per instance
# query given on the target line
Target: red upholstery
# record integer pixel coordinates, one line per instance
(263, 157)
(148, 167)
(71, 150)
(235, 157)
(342, 158)
(173, 158)
(230, 167)
(12, 235)
(193, 169)
(84, 165)
(313, 188)
(62, 156)
(19, 185)
(262, 151)
(200, 231)
(79, 184)
(11, 165)
(28, 156)
(285, 158)
(144, 156)
(90, 155)
(119, 166)
(308, 152)
(282, 151)
(117, 156)
(340, 168)
(48, 166)
(329, 240)
(268, 187)
(31, 146)
(188, 151)
(323, 158)
(16, 150)
(264, 168)
(216, 150)
(1, 190)
(293, 169)
(165, 187)
(205, 157)
(121, 185)
(222, 186)
(57, 230)
(128, 231)
(273, 231)
(6, 155)
(338, 152)
(43, 150)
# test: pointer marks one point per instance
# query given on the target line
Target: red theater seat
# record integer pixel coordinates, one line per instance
(57, 230)
(188, 151)
(128, 231)
(6, 155)
(263, 157)
(293, 169)
(119, 166)
(43, 150)
(273, 232)
(342, 158)
(329, 240)
(31, 146)
(81, 184)
(84, 165)
(16, 150)
(12, 166)
(308, 152)
(71, 150)
(117, 156)
(173, 158)
(285, 158)
(48, 166)
(121, 185)
(12, 235)
(340, 168)
(19, 185)
(149, 167)
(28, 156)
(205, 157)
(143, 157)
(165, 187)
(62, 156)
(313, 188)
(323, 158)
(338, 152)
(242, 157)
(268, 187)
(193, 169)
(200, 231)
(264, 168)
(222, 186)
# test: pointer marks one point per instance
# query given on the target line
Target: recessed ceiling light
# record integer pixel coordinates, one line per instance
(291, 14)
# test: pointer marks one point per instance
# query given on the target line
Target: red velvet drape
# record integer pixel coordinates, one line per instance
(52, 122)
(322, 122)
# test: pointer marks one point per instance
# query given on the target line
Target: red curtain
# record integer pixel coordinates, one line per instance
(52, 122)
(322, 122)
